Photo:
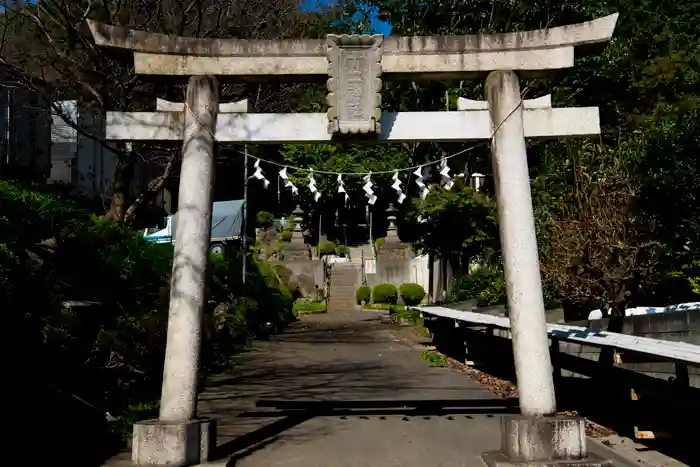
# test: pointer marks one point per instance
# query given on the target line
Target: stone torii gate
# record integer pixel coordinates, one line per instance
(356, 66)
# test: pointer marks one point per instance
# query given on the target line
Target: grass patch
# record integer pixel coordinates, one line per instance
(434, 359)
(307, 308)
(384, 307)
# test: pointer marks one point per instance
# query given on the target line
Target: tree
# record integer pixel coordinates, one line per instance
(598, 250)
(645, 83)
(458, 225)
(48, 49)
(669, 196)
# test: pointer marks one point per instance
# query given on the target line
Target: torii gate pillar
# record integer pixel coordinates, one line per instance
(537, 436)
(519, 245)
(178, 437)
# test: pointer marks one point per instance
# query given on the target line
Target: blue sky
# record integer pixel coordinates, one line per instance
(380, 27)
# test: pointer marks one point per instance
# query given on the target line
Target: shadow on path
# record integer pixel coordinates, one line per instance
(297, 412)
(341, 389)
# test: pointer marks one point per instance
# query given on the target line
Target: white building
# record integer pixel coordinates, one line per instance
(77, 159)
(25, 138)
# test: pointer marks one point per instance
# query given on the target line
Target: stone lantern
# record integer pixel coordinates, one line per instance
(298, 217)
(297, 249)
(391, 217)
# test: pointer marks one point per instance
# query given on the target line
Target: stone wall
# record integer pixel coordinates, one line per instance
(401, 270)
(307, 274)
(683, 326)
(391, 271)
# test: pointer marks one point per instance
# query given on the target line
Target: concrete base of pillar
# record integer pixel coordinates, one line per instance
(173, 444)
(497, 459)
(543, 442)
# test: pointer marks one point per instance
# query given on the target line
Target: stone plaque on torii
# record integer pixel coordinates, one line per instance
(356, 66)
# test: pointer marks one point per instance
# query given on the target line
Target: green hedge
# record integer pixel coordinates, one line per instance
(486, 285)
(79, 363)
(412, 294)
(264, 220)
(326, 248)
(363, 294)
(385, 293)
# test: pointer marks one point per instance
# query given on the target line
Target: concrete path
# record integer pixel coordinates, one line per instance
(351, 361)
(331, 391)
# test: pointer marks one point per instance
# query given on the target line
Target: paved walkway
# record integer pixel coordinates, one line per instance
(350, 361)
(330, 392)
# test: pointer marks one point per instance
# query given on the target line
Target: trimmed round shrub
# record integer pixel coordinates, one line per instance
(385, 293)
(363, 294)
(327, 248)
(341, 250)
(412, 294)
(264, 219)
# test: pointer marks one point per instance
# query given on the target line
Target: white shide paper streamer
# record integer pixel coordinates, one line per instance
(287, 182)
(259, 174)
(369, 192)
(397, 186)
(312, 186)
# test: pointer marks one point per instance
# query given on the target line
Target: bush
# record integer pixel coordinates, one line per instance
(412, 294)
(107, 348)
(264, 220)
(341, 250)
(286, 235)
(363, 294)
(326, 248)
(486, 284)
(385, 293)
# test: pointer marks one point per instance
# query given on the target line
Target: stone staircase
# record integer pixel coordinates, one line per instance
(345, 279)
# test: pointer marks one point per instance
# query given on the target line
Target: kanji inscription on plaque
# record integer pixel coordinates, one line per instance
(354, 85)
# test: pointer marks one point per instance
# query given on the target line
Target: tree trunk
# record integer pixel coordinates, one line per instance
(123, 177)
(154, 187)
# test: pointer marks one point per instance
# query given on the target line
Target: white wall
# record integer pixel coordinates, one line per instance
(420, 274)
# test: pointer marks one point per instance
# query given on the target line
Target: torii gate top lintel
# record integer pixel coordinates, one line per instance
(542, 49)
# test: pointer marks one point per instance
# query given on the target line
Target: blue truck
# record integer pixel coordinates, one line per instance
(226, 226)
